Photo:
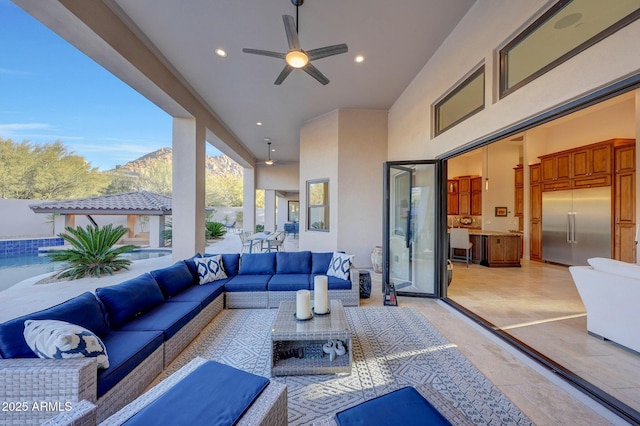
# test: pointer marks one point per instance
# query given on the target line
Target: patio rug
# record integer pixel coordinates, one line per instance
(392, 347)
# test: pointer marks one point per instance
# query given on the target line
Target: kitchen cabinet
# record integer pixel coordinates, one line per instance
(518, 185)
(591, 160)
(535, 214)
(464, 195)
(502, 250)
(476, 196)
(625, 203)
(555, 167)
(453, 203)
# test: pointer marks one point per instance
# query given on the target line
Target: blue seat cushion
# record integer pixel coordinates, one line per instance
(173, 279)
(320, 262)
(213, 394)
(247, 283)
(84, 310)
(289, 282)
(168, 318)
(130, 299)
(230, 261)
(257, 264)
(293, 262)
(404, 406)
(335, 283)
(126, 349)
(203, 294)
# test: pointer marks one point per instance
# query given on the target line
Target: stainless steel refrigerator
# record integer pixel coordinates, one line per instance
(576, 225)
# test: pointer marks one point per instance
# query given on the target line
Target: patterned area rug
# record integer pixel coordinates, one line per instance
(392, 347)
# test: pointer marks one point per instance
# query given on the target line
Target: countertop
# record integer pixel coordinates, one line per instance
(494, 233)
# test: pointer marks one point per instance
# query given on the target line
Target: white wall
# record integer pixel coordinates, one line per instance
(474, 42)
(349, 147)
(18, 220)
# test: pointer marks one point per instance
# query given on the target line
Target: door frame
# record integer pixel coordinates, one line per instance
(440, 225)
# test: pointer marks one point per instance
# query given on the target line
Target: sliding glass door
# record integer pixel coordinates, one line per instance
(410, 260)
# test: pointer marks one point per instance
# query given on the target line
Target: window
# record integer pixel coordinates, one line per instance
(294, 211)
(318, 202)
(461, 103)
(565, 30)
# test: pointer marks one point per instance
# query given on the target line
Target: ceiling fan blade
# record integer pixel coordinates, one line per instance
(265, 53)
(315, 73)
(283, 74)
(292, 32)
(323, 52)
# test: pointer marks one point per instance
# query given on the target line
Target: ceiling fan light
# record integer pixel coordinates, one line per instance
(269, 162)
(297, 59)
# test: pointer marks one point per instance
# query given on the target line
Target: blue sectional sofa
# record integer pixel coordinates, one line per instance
(145, 322)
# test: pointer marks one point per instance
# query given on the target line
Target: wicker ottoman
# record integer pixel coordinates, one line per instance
(269, 408)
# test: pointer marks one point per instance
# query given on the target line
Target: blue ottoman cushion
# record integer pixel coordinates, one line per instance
(295, 262)
(168, 318)
(213, 394)
(404, 406)
(257, 264)
(247, 283)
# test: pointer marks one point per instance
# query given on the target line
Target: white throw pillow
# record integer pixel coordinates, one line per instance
(613, 266)
(209, 269)
(340, 265)
(52, 339)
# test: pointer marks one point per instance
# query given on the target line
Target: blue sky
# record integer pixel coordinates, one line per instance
(51, 91)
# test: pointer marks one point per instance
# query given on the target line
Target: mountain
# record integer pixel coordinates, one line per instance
(218, 166)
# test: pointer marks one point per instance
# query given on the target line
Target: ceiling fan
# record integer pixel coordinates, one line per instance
(296, 57)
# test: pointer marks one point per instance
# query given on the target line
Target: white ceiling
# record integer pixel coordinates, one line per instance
(396, 38)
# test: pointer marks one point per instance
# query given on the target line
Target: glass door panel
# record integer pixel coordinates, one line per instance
(410, 220)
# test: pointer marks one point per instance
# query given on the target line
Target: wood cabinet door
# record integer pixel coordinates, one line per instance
(465, 184)
(453, 207)
(519, 201)
(452, 186)
(580, 163)
(534, 173)
(476, 184)
(518, 178)
(476, 203)
(625, 159)
(625, 245)
(600, 161)
(549, 167)
(624, 198)
(563, 166)
(536, 202)
(535, 240)
(465, 203)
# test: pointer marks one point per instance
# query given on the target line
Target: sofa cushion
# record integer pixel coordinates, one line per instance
(613, 266)
(203, 294)
(293, 262)
(257, 264)
(53, 339)
(335, 283)
(247, 283)
(84, 310)
(289, 282)
(340, 265)
(209, 268)
(167, 317)
(173, 279)
(129, 299)
(231, 262)
(213, 394)
(127, 349)
(320, 262)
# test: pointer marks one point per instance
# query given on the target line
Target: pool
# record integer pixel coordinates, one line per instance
(14, 269)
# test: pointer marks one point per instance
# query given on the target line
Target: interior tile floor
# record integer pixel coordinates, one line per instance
(539, 305)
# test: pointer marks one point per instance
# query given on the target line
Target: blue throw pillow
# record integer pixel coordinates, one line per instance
(130, 299)
(173, 279)
(258, 264)
(231, 262)
(293, 262)
(51, 339)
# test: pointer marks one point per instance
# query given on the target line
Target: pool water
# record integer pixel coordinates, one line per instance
(14, 269)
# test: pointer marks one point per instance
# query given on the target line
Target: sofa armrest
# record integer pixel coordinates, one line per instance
(354, 277)
(82, 413)
(37, 389)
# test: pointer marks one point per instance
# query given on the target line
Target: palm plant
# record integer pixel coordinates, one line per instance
(214, 230)
(93, 253)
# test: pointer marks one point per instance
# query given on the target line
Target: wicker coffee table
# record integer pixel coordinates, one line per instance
(296, 346)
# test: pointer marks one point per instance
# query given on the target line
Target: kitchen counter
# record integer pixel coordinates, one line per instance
(496, 248)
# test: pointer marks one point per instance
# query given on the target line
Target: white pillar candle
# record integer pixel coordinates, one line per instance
(321, 294)
(303, 304)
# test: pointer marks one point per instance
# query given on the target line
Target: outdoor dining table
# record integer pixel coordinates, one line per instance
(261, 237)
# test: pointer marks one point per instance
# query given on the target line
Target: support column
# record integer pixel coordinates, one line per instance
(62, 221)
(131, 224)
(269, 210)
(188, 188)
(156, 226)
(249, 199)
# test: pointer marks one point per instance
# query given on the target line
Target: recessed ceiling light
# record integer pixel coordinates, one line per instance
(259, 123)
(221, 52)
(359, 59)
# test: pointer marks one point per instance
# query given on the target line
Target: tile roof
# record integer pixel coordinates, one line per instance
(135, 202)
